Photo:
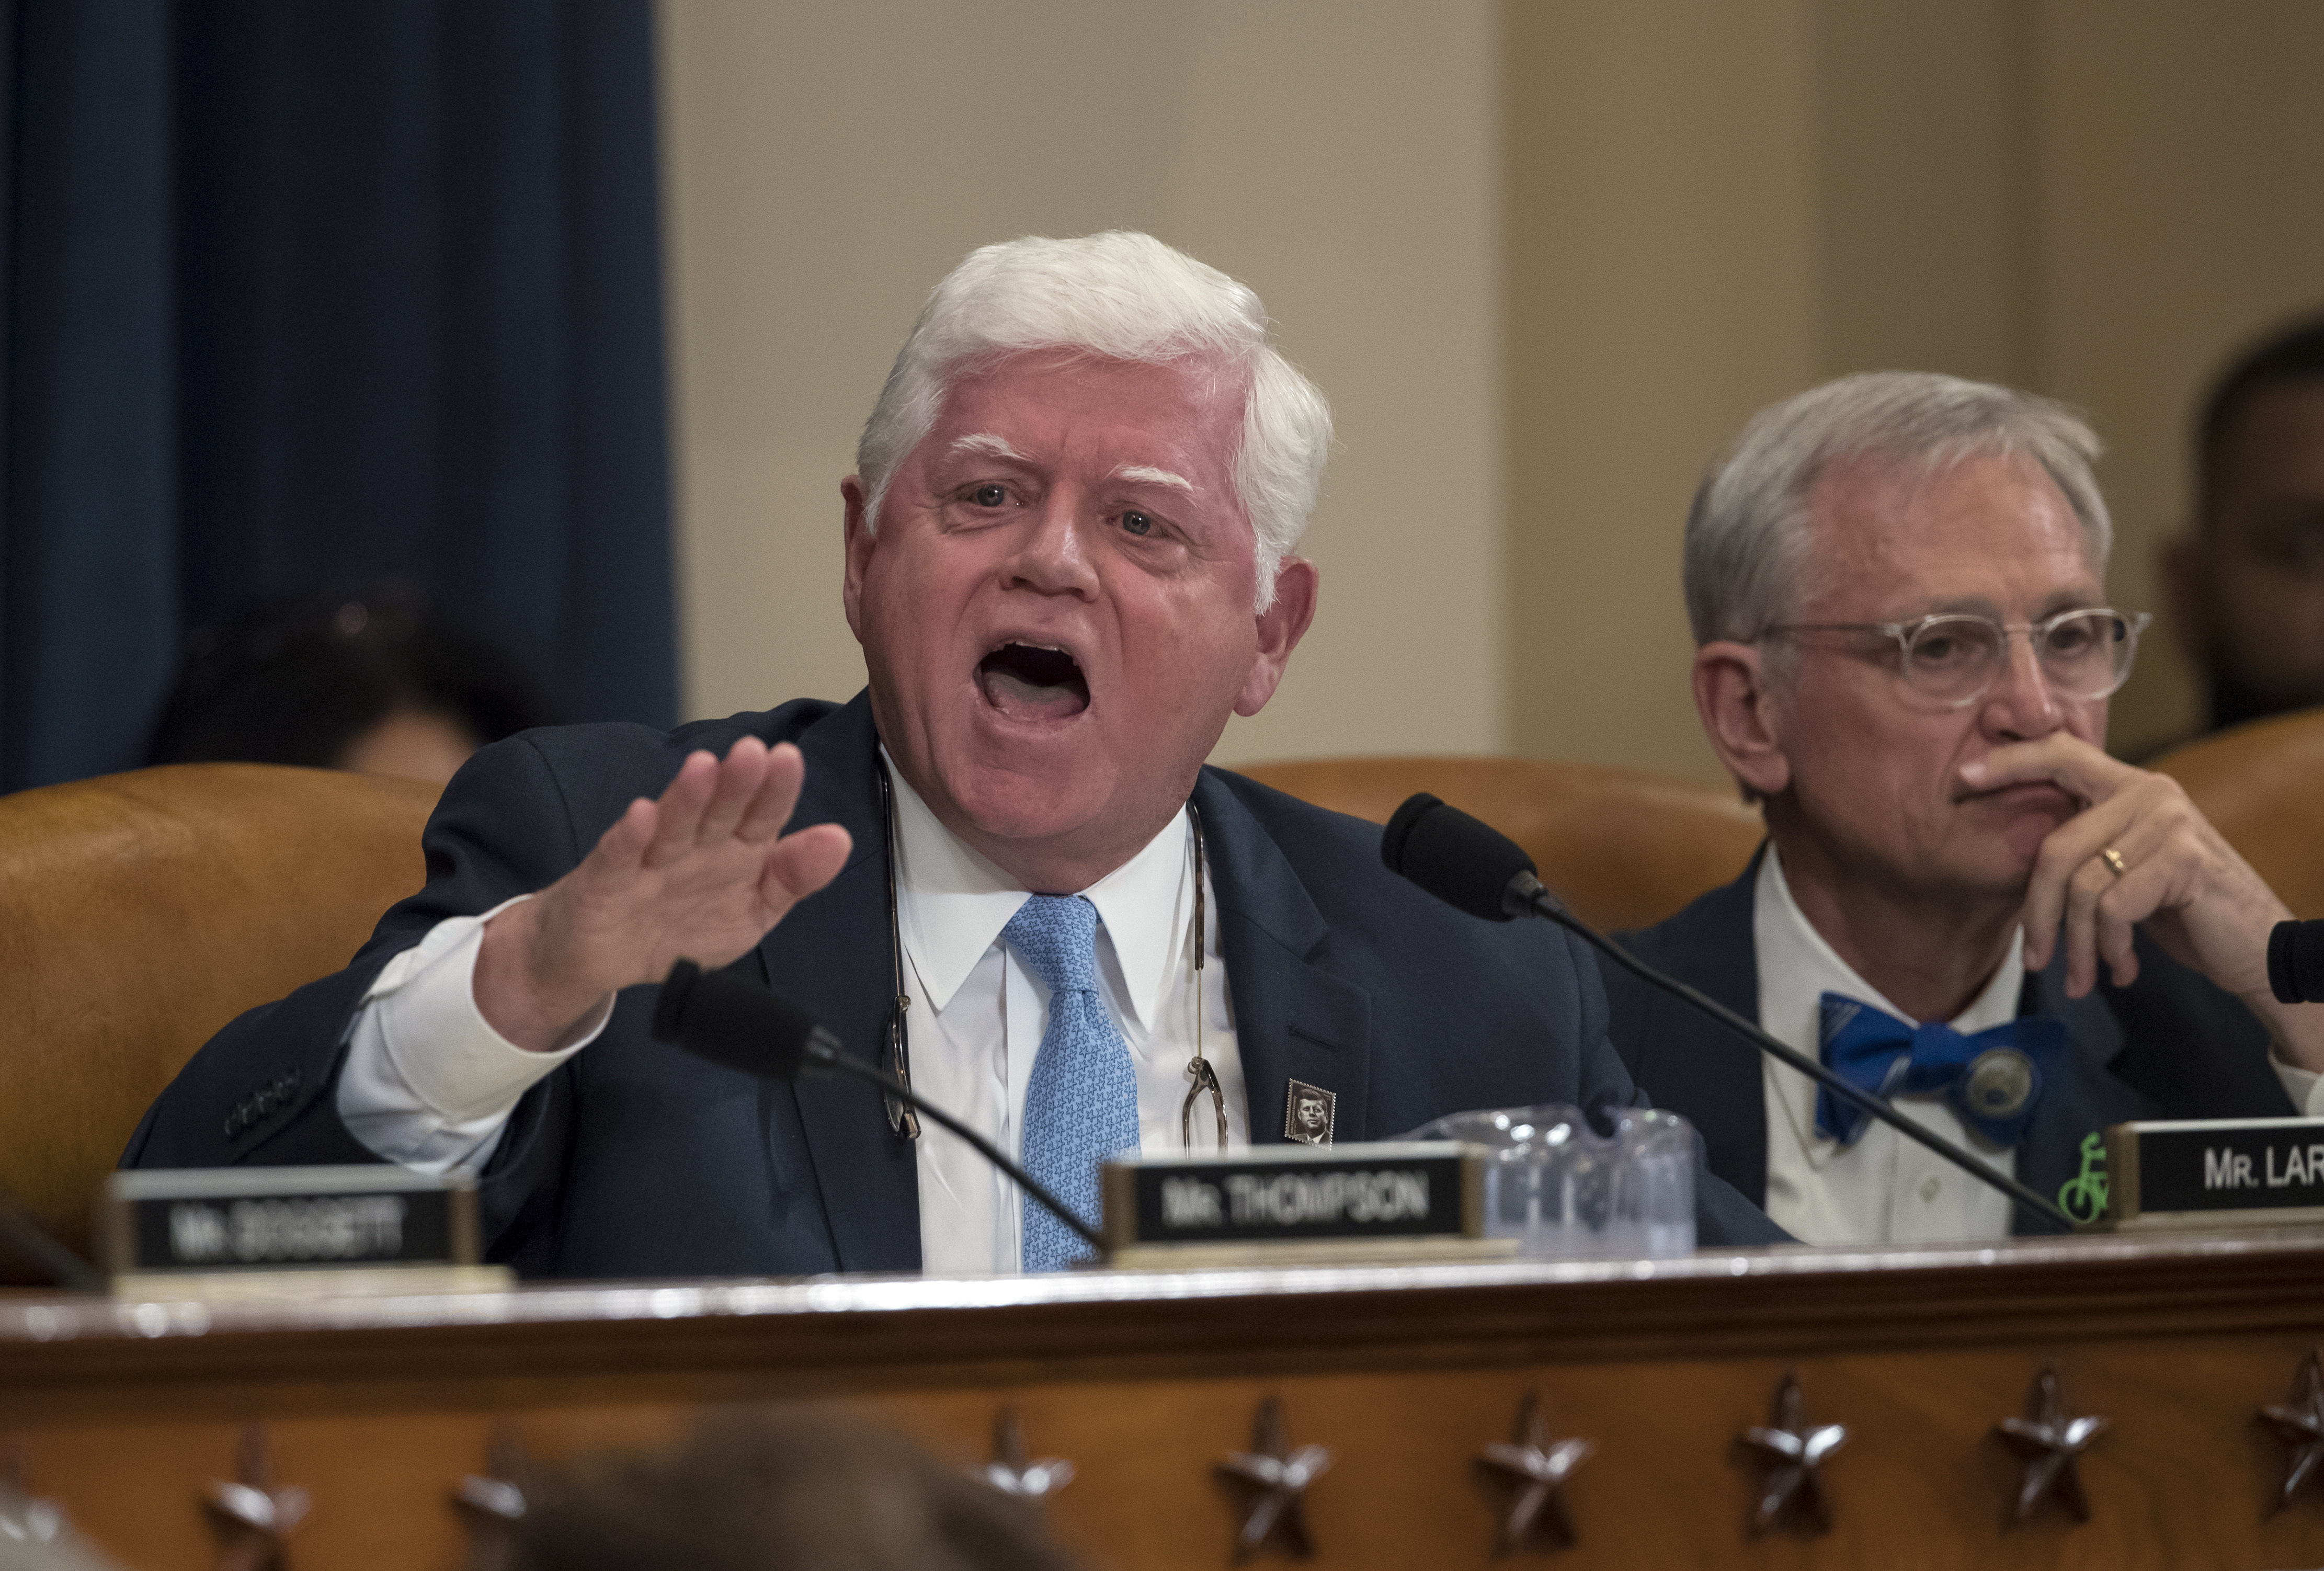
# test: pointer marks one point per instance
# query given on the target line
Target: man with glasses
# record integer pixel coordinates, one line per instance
(1896, 584)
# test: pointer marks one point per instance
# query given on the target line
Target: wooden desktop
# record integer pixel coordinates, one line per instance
(124, 1413)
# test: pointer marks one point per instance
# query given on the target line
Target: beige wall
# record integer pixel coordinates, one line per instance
(1544, 257)
(1663, 284)
(2180, 210)
(827, 164)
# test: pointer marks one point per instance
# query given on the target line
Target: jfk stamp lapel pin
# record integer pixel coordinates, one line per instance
(1308, 1112)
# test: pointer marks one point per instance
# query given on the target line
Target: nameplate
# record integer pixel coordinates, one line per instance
(215, 1220)
(1296, 1194)
(2216, 1172)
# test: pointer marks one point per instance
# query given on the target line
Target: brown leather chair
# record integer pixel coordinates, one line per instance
(138, 913)
(1623, 849)
(2262, 783)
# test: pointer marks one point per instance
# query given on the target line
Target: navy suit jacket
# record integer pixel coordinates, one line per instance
(632, 1159)
(2171, 1045)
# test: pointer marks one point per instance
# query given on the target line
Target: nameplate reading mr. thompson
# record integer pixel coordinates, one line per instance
(1295, 1193)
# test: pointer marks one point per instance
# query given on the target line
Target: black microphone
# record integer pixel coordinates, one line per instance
(1462, 861)
(731, 1021)
(721, 1017)
(2295, 962)
(30, 1242)
(1476, 868)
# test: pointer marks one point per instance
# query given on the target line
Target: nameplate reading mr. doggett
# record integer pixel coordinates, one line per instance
(275, 1219)
(2217, 1171)
(1295, 1193)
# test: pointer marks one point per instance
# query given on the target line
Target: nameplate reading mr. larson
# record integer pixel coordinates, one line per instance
(2212, 1171)
(1283, 1193)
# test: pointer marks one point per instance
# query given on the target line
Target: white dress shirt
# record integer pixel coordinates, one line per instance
(1884, 1188)
(978, 1013)
(429, 1083)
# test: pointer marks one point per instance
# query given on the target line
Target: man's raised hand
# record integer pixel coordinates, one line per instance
(702, 874)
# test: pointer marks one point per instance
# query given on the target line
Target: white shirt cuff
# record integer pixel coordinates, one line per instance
(427, 1081)
(2304, 1087)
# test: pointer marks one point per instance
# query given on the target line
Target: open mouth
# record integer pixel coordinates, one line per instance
(1033, 681)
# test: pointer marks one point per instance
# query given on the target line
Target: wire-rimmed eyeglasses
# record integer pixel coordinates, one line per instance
(1954, 657)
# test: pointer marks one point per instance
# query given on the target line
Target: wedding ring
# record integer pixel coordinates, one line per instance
(2112, 859)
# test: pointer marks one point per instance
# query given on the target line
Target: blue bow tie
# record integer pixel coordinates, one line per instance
(1993, 1079)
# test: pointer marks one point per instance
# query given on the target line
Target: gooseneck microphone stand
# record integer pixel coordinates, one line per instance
(1471, 866)
(730, 1020)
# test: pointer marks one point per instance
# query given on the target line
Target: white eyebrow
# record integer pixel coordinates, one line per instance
(991, 446)
(1146, 475)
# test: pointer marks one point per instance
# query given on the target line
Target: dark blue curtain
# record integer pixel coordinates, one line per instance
(294, 291)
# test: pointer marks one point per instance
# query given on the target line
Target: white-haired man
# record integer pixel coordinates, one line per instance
(1068, 562)
(1897, 585)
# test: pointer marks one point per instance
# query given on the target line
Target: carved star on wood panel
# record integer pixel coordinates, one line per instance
(1278, 1476)
(1539, 1466)
(503, 1492)
(492, 1503)
(255, 1516)
(1009, 1471)
(2050, 1445)
(1795, 1454)
(24, 1518)
(2298, 1423)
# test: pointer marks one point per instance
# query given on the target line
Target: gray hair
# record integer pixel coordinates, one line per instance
(1745, 535)
(1116, 296)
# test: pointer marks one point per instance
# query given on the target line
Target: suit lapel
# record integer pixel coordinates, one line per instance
(1715, 1074)
(1294, 1020)
(832, 956)
(2084, 1098)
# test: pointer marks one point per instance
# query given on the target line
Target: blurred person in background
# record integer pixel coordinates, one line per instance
(370, 677)
(2246, 585)
(771, 1494)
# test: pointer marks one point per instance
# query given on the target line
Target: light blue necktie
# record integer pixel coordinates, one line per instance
(1081, 1100)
